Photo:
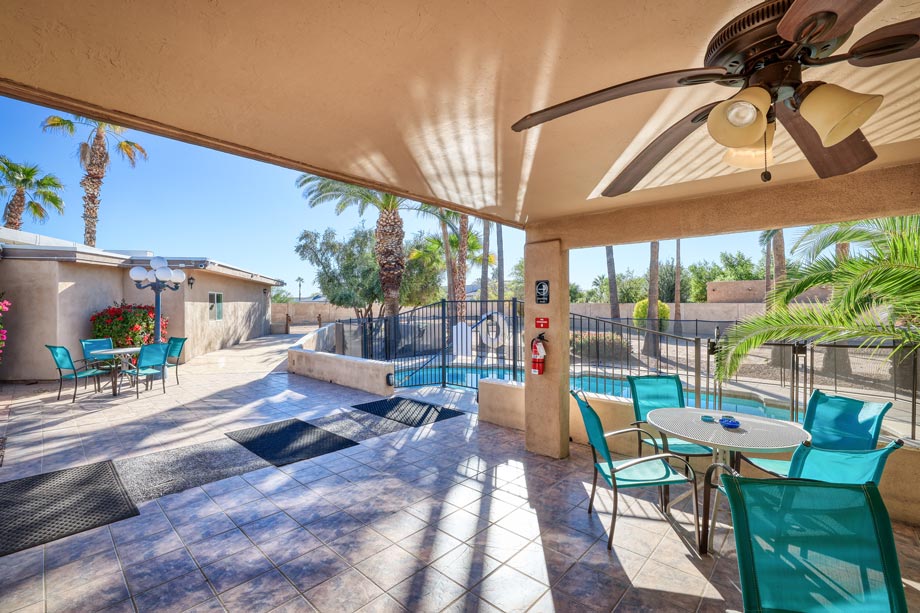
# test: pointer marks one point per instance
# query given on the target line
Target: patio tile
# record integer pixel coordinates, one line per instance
(566, 540)
(544, 564)
(81, 571)
(176, 595)
(251, 511)
(91, 596)
(313, 512)
(267, 528)
(499, 543)
(426, 590)
(465, 565)
(294, 497)
(555, 601)
(289, 545)
(21, 564)
(398, 525)
(270, 480)
(238, 496)
(429, 544)
(146, 575)
(591, 587)
(18, 593)
(461, 525)
(133, 528)
(359, 544)
(388, 567)
(334, 526)
(148, 547)
(205, 527)
(181, 499)
(509, 589)
(311, 569)
(616, 561)
(382, 604)
(263, 593)
(236, 569)
(192, 511)
(220, 546)
(223, 486)
(343, 593)
(296, 605)
(208, 606)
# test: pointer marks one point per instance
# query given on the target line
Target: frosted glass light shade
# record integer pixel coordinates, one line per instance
(740, 120)
(138, 273)
(158, 262)
(151, 276)
(835, 112)
(164, 273)
(752, 155)
(178, 276)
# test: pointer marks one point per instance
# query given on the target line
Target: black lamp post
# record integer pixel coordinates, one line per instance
(158, 278)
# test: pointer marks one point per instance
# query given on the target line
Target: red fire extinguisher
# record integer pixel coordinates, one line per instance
(538, 354)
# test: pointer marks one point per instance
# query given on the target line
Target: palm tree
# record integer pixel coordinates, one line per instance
(463, 231)
(766, 241)
(299, 281)
(389, 234)
(779, 257)
(94, 159)
(431, 252)
(612, 283)
(650, 346)
(500, 262)
(875, 296)
(484, 277)
(446, 222)
(31, 192)
(677, 282)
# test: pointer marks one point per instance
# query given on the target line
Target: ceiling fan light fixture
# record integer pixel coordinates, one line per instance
(836, 112)
(741, 120)
(752, 156)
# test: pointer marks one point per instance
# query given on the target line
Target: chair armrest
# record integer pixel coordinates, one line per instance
(741, 456)
(639, 430)
(657, 456)
(707, 480)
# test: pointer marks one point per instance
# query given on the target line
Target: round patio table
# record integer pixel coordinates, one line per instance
(754, 434)
(122, 357)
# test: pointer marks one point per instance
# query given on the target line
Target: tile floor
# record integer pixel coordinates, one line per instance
(455, 516)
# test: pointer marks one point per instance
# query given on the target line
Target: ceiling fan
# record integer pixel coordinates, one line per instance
(764, 51)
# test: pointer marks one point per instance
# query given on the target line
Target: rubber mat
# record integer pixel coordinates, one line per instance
(43, 508)
(358, 425)
(289, 441)
(408, 411)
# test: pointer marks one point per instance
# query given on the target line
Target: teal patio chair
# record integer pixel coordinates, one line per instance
(830, 549)
(173, 351)
(651, 392)
(63, 362)
(650, 471)
(151, 361)
(834, 422)
(95, 344)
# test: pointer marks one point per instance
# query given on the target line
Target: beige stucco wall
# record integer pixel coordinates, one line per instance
(367, 375)
(32, 320)
(753, 291)
(306, 312)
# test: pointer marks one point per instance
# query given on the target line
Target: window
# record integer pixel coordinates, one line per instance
(215, 306)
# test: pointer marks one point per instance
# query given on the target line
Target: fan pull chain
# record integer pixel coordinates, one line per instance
(765, 176)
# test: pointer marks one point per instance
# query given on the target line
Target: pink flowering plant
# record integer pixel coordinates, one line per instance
(128, 325)
(4, 307)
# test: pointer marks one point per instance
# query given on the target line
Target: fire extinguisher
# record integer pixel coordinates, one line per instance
(538, 354)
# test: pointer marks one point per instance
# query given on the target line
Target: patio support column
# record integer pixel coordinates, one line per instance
(546, 398)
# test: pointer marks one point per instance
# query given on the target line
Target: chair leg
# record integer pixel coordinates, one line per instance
(593, 489)
(613, 520)
(177, 373)
(60, 387)
(76, 386)
(163, 376)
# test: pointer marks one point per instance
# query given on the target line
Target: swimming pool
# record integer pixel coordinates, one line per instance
(469, 377)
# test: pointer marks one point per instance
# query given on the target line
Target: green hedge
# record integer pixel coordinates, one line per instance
(599, 346)
(664, 313)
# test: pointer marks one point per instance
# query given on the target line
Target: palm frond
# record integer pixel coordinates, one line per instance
(130, 150)
(37, 211)
(56, 123)
(85, 153)
(819, 272)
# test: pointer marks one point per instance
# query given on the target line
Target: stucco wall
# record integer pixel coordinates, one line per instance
(306, 312)
(367, 375)
(753, 291)
(32, 320)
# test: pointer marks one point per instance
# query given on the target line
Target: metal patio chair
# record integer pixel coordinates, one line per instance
(63, 362)
(813, 546)
(151, 361)
(173, 351)
(649, 471)
(650, 392)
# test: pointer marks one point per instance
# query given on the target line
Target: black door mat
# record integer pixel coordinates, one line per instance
(289, 441)
(408, 411)
(358, 425)
(167, 472)
(2, 448)
(43, 508)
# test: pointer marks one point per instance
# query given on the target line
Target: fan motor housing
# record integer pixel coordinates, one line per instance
(749, 42)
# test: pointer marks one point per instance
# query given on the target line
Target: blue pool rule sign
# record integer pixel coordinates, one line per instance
(541, 290)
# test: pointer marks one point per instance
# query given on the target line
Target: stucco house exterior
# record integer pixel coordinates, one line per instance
(56, 285)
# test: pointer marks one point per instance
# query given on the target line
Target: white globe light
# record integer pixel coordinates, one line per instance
(151, 276)
(138, 273)
(178, 276)
(164, 273)
(158, 262)
(741, 113)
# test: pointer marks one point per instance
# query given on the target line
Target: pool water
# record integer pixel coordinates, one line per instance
(469, 377)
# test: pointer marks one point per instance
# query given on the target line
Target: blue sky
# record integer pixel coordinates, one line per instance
(194, 202)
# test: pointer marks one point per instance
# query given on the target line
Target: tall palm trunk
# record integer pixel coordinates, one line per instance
(612, 283)
(462, 254)
(388, 249)
(451, 268)
(500, 262)
(15, 209)
(484, 277)
(650, 346)
(678, 329)
(92, 185)
(837, 361)
(779, 275)
(768, 269)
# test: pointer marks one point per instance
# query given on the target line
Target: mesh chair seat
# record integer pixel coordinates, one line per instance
(647, 474)
(82, 374)
(675, 445)
(813, 546)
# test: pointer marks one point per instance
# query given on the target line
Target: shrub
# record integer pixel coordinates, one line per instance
(599, 346)
(127, 325)
(640, 311)
(4, 307)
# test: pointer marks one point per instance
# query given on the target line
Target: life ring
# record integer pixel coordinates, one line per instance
(492, 330)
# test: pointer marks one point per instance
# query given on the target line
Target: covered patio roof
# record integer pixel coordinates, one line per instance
(418, 98)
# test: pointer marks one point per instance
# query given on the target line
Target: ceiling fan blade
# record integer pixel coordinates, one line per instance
(655, 152)
(821, 20)
(899, 41)
(846, 156)
(665, 80)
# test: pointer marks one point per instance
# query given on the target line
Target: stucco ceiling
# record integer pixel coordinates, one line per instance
(418, 97)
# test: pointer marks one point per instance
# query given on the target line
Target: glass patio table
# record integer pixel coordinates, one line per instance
(753, 435)
(122, 360)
